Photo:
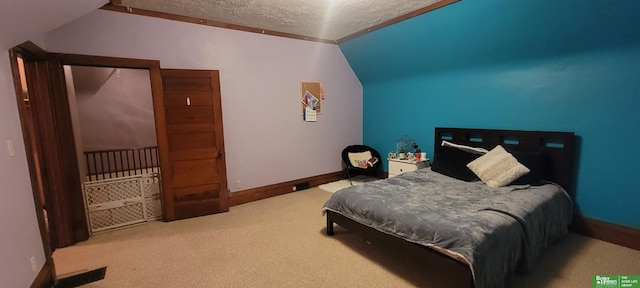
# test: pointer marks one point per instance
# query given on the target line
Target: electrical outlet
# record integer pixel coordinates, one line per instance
(34, 265)
(238, 184)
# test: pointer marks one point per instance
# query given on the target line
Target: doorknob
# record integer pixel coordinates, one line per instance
(220, 152)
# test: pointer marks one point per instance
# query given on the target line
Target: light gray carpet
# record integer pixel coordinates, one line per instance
(280, 242)
(344, 183)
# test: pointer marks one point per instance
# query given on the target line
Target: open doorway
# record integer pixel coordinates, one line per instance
(44, 110)
(113, 121)
(46, 117)
(188, 118)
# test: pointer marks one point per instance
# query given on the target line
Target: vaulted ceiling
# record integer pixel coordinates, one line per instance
(330, 21)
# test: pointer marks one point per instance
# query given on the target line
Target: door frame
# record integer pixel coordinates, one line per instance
(153, 66)
(34, 53)
(46, 134)
(29, 52)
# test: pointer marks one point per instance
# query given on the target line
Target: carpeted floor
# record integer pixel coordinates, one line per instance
(344, 183)
(280, 242)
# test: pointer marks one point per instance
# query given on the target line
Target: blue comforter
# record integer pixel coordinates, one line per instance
(496, 231)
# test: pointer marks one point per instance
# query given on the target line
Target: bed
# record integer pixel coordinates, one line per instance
(468, 233)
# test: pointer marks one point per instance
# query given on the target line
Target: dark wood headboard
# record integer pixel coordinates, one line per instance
(558, 147)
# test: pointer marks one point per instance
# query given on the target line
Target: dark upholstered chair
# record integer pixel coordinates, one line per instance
(369, 166)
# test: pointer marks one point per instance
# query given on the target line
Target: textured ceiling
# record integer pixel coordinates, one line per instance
(321, 19)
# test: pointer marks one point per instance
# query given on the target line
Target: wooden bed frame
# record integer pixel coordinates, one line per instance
(446, 271)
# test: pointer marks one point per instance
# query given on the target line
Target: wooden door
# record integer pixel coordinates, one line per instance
(52, 157)
(191, 144)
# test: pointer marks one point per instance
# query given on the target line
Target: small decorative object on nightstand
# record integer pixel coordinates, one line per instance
(402, 146)
(397, 166)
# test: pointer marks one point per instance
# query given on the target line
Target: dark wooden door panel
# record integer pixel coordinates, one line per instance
(194, 172)
(187, 84)
(191, 128)
(188, 209)
(193, 193)
(189, 115)
(196, 180)
(187, 146)
(59, 167)
(180, 98)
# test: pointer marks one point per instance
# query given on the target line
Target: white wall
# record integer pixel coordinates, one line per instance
(22, 20)
(266, 140)
(115, 108)
(20, 234)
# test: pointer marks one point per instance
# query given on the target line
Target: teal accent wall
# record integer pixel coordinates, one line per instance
(528, 65)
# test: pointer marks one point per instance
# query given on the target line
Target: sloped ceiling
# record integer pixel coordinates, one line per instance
(324, 20)
(23, 20)
(319, 20)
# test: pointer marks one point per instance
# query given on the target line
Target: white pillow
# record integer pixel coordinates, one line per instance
(358, 157)
(497, 168)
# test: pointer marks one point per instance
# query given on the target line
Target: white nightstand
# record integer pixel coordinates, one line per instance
(397, 166)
